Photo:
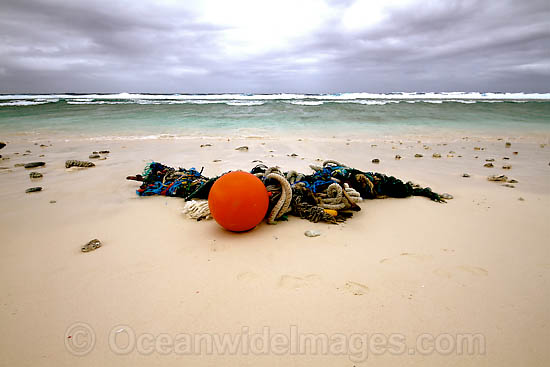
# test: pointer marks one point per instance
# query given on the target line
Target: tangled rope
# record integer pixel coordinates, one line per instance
(159, 179)
(330, 194)
(283, 204)
(336, 199)
(197, 209)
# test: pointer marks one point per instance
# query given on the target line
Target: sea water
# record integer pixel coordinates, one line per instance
(147, 116)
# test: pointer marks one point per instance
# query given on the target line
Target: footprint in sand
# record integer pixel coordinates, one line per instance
(443, 273)
(248, 277)
(407, 255)
(472, 270)
(295, 282)
(357, 289)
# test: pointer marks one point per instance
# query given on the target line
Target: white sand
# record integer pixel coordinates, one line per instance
(479, 265)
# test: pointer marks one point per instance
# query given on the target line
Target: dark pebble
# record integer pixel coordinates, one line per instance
(2, 145)
(92, 156)
(376, 160)
(35, 164)
(104, 152)
(33, 189)
(35, 175)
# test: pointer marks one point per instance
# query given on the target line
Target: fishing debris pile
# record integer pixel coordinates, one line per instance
(329, 194)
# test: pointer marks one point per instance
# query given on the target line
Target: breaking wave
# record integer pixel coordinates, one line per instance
(11, 100)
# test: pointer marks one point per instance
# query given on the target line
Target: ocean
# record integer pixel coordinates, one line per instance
(148, 116)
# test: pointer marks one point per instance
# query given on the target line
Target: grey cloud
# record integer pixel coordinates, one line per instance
(57, 46)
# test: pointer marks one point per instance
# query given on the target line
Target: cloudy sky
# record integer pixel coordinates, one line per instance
(260, 46)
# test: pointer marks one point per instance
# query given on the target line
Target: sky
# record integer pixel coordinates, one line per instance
(257, 46)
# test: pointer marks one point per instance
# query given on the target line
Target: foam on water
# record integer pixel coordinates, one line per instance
(307, 103)
(256, 98)
(25, 103)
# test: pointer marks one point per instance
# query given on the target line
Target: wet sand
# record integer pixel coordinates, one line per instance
(478, 265)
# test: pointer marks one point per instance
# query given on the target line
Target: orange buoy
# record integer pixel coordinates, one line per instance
(238, 201)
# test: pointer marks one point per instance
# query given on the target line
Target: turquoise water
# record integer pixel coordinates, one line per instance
(131, 116)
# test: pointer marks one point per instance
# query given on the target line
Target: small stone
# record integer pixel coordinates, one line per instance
(521, 199)
(53, 201)
(397, 156)
(446, 196)
(513, 181)
(216, 160)
(542, 145)
(436, 155)
(74, 163)
(465, 175)
(93, 156)
(373, 145)
(452, 152)
(34, 164)
(501, 178)
(477, 148)
(476, 157)
(508, 144)
(28, 151)
(95, 153)
(375, 161)
(507, 166)
(33, 189)
(506, 158)
(41, 155)
(450, 155)
(206, 145)
(43, 146)
(2, 145)
(490, 160)
(488, 165)
(516, 153)
(102, 159)
(417, 155)
(508, 185)
(293, 155)
(244, 148)
(90, 246)
(104, 152)
(35, 175)
(312, 233)
(19, 165)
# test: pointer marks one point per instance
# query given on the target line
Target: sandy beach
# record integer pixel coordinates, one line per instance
(405, 281)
